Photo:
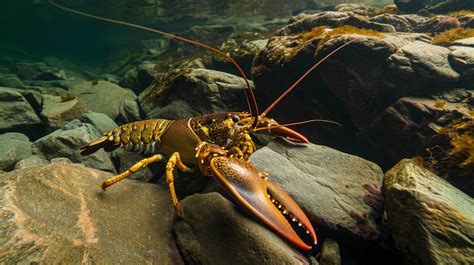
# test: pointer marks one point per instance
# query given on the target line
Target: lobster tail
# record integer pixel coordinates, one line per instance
(102, 142)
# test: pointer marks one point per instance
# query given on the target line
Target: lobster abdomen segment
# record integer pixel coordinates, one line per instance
(135, 136)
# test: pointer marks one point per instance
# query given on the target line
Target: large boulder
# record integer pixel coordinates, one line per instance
(305, 22)
(402, 23)
(431, 221)
(66, 142)
(212, 226)
(13, 148)
(58, 214)
(341, 89)
(10, 80)
(59, 111)
(108, 98)
(336, 190)
(16, 113)
(38, 71)
(410, 125)
(462, 60)
(358, 83)
(198, 91)
(32, 161)
(242, 52)
(100, 121)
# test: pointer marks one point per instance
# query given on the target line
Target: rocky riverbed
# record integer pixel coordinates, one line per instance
(393, 184)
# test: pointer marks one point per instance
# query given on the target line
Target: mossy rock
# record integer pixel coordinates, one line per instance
(432, 222)
(448, 37)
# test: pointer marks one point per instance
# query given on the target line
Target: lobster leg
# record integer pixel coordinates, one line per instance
(244, 149)
(175, 160)
(139, 165)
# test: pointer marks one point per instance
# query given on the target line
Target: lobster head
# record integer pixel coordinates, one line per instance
(222, 128)
(261, 198)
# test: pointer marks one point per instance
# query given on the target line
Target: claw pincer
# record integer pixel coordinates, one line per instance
(260, 197)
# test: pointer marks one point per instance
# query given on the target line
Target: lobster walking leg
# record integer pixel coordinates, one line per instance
(175, 160)
(139, 165)
(244, 148)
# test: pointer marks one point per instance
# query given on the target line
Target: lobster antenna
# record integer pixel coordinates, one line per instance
(302, 77)
(296, 123)
(253, 111)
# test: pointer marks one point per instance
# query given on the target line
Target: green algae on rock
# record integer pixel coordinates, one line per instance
(323, 34)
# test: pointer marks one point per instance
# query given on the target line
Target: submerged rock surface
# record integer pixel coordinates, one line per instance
(432, 222)
(13, 148)
(215, 231)
(66, 142)
(58, 214)
(16, 113)
(186, 93)
(336, 190)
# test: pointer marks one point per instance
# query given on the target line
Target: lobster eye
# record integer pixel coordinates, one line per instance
(235, 118)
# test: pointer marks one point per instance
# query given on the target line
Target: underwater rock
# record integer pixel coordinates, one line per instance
(421, 66)
(243, 54)
(31, 161)
(140, 77)
(58, 214)
(341, 89)
(462, 60)
(34, 97)
(205, 90)
(59, 111)
(176, 109)
(402, 23)
(63, 160)
(330, 253)
(66, 142)
(100, 121)
(216, 231)
(42, 74)
(355, 85)
(467, 21)
(13, 148)
(359, 9)
(336, 190)
(431, 221)
(16, 113)
(468, 42)
(304, 23)
(211, 35)
(436, 6)
(38, 71)
(405, 129)
(103, 97)
(409, 6)
(129, 111)
(11, 80)
(438, 24)
(110, 78)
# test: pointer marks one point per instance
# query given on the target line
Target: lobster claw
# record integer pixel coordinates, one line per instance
(263, 199)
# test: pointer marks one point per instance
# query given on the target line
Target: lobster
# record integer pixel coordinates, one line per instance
(216, 144)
